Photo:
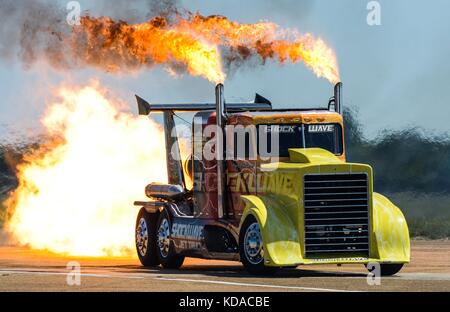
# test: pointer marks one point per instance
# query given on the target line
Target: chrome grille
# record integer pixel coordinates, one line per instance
(336, 214)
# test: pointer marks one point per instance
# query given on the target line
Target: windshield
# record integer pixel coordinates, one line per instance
(326, 136)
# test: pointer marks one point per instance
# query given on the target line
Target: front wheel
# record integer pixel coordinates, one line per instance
(251, 249)
(389, 269)
(165, 249)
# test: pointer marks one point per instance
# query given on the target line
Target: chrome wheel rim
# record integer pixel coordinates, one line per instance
(142, 237)
(253, 244)
(164, 238)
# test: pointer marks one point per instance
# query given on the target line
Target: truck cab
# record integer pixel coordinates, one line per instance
(270, 188)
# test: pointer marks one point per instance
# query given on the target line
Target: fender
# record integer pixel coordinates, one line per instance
(279, 232)
(390, 235)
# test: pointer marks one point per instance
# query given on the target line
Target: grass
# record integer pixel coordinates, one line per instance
(427, 214)
(435, 228)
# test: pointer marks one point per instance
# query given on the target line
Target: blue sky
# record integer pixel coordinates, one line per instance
(396, 74)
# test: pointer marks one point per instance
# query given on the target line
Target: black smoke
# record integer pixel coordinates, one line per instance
(35, 30)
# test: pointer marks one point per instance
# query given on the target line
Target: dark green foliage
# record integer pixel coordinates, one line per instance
(407, 160)
(412, 168)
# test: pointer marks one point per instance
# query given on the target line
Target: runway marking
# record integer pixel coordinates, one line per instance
(19, 271)
(251, 284)
(424, 276)
(24, 271)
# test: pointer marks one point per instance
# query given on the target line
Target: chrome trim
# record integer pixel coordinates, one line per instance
(220, 123)
(367, 204)
(142, 237)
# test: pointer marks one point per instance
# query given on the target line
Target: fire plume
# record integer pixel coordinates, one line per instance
(76, 193)
(196, 44)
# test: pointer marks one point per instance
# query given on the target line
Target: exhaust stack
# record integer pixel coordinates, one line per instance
(220, 124)
(338, 98)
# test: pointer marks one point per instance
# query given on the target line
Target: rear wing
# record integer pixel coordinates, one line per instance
(260, 104)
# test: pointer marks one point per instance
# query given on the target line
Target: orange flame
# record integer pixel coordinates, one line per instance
(266, 40)
(195, 43)
(76, 195)
(117, 45)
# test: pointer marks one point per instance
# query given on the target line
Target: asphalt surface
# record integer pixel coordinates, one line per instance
(23, 269)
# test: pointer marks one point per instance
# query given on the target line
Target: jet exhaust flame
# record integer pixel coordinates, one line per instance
(196, 43)
(76, 193)
(204, 46)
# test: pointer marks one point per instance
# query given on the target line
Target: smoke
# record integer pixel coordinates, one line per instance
(29, 29)
(37, 30)
(291, 8)
(137, 11)
(180, 41)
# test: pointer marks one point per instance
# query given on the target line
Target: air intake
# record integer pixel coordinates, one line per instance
(336, 214)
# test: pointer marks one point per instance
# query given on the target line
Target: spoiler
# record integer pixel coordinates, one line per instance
(260, 104)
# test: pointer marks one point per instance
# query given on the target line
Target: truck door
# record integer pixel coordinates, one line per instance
(241, 166)
(204, 168)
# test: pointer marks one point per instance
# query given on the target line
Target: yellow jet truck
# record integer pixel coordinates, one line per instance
(268, 187)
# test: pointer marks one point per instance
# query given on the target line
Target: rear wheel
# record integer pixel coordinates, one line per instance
(389, 269)
(251, 249)
(165, 248)
(146, 238)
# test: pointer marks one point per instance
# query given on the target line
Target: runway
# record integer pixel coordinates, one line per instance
(22, 269)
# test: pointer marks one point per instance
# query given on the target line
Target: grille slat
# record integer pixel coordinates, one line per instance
(334, 225)
(344, 218)
(338, 237)
(341, 250)
(342, 231)
(327, 194)
(336, 244)
(335, 206)
(333, 200)
(336, 213)
(334, 181)
(331, 187)
(333, 212)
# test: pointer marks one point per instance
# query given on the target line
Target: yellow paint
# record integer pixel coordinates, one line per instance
(289, 117)
(278, 207)
(312, 156)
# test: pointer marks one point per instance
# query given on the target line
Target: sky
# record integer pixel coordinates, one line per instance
(395, 74)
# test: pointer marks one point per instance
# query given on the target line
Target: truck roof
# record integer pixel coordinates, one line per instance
(314, 115)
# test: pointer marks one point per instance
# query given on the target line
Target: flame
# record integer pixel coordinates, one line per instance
(266, 40)
(76, 193)
(195, 43)
(117, 45)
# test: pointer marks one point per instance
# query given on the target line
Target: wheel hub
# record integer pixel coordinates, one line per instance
(142, 237)
(253, 245)
(164, 238)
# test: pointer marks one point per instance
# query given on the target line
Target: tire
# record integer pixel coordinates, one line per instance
(389, 269)
(251, 249)
(165, 249)
(145, 238)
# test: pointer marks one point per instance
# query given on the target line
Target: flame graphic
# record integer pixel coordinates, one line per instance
(76, 193)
